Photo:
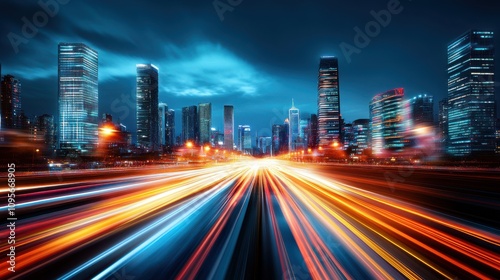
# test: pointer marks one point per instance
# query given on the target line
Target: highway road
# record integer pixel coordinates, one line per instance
(257, 219)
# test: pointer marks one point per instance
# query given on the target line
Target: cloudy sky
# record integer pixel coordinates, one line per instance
(256, 55)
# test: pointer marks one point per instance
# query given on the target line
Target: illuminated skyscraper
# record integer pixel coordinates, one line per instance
(228, 127)
(471, 94)
(190, 124)
(386, 117)
(78, 97)
(147, 107)
(294, 128)
(245, 139)
(312, 137)
(329, 126)
(205, 121)
(10, 103)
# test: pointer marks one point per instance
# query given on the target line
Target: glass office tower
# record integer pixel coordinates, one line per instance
(205, 122)
(78, 97)
(329, 126)
(147, 107)
(471, 94)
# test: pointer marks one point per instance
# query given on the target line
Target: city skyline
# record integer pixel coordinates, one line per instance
(178, 56)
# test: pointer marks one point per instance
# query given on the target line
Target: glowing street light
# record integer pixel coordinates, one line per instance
(207, 148)
(189, 144)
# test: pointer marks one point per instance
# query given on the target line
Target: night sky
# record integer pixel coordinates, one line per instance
(260, 56)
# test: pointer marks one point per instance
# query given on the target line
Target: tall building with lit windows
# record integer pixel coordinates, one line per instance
(147, 107)
(78, 97)
(190, 124)
(471, 94)
(204, 122)
(245, 139)
(294, 128)
(329, 124)
(10, 99)
(386, 122)
(228, 127)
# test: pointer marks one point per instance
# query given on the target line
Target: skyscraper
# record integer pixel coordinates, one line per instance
(78, 97)
(386, 116)
(228, 127)
(162, 123)
(147, 107)
(170, 129)
(190, 124)
(422, 110)
(329, 126)
(205, 122)
(294, 128)
(10, 102)
(471, 94)
(245, 139)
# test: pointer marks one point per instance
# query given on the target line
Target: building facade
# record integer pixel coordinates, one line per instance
(205, 122)
(329, 125)
(78, 97)
(190, 124)
(471, 94)
(147, 107)
(386, 122)
(228, 127)
(294, 128)
(422, 110)
(10, 99)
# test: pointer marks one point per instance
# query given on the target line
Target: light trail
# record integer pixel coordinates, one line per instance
(248, 219)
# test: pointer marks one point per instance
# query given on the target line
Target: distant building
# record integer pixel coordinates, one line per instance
(471, 94)
(443, 122)
(264, 145)
(228, 127)
(10, 103)
(312, 134)
(190, 124)
(44, 132)
(386, 117)
(276, 143)
(114, 139)
(245, 139)
(294, 128)
(329, 126)
(422, 110)
(147, 107)
(361, 132)
(162, 123)
(205, 122)
(348, 136)
(170, 129)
